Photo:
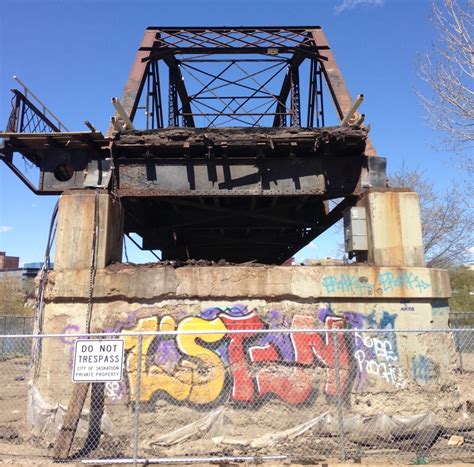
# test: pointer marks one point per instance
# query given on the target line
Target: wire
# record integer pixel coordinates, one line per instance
(93, 268)
(38, 320)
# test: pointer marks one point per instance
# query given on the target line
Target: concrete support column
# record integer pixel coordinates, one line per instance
(394, 227)
(75, 229)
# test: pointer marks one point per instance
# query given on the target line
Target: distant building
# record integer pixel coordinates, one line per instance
(23, 277)
(8, 262)
(36, 265)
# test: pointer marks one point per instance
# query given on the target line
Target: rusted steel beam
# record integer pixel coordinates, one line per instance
(222, 29)
(162, 52)
(233, 177)
(136, 79)
(325, 222)
(295, 62)
(337, 87)
(186, 111)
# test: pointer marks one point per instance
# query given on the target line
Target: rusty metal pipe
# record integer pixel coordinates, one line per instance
(352, 110)
(360, 120)
(123, 115)
(115, 124)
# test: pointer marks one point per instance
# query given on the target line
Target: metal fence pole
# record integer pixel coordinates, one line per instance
(340, 414)
(138, 381)
(4, 331)
(458, 343)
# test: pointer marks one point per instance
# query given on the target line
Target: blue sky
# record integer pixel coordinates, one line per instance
(75, 55)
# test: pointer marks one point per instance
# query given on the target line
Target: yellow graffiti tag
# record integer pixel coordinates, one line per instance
(199, 380)
(209, 373)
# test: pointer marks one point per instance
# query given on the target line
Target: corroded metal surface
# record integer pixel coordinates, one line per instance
(247, 165)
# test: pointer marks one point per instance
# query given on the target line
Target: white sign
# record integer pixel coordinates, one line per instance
(98, 360)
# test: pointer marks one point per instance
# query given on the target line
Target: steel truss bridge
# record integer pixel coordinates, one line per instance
(220, 147)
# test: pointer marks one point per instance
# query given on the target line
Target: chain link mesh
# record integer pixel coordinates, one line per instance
(310, 395)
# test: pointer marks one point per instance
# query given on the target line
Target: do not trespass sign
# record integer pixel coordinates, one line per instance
(98, 360)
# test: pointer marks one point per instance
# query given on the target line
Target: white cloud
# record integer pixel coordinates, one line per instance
(350, 4)
(5, 228)
(471, 250)
(312, 245)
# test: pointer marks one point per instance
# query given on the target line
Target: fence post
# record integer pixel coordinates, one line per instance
(459, 347)
(4, 332)
(138, 381)
(340, 414)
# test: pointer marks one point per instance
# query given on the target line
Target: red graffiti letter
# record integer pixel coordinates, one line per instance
(309, 345)
(243, 382)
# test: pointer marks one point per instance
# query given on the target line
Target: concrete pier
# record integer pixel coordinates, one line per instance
(75, 229)
(381, 368)
(393, 227)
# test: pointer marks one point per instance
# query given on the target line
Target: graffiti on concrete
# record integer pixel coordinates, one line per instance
(127, 323)
(424, 369)
(376, 353)
(387, 282)
(220, 355)
(202, 368)
(402, 280)
(69, 341)
(116, 391)
(376, 357)
(347, 283)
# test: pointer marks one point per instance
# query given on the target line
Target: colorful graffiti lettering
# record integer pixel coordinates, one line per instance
(194, 368)
(220, 355)
(386, 281)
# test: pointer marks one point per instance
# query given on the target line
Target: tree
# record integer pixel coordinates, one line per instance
(446, 219)
(449, 71)
(462, 285)
(12, 299)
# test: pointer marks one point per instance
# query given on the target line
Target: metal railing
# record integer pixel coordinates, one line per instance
(224, 393)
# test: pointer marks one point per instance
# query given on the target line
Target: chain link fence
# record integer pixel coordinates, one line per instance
(12, 325)
(228, 394)
(462, 320)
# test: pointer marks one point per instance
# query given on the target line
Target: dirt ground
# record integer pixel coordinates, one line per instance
(18, 446)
